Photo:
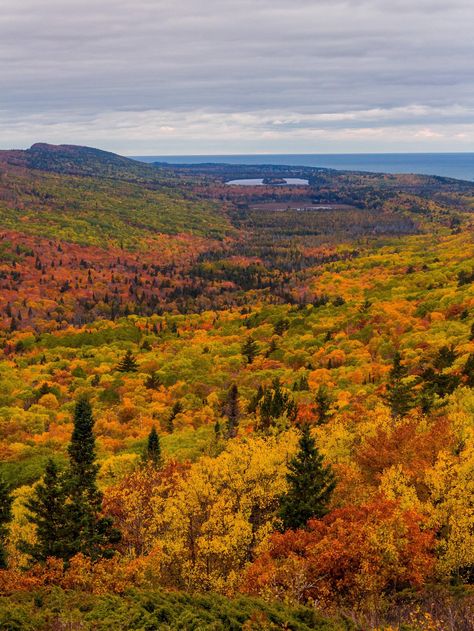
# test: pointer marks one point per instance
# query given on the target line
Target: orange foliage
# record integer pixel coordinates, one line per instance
(352, 555)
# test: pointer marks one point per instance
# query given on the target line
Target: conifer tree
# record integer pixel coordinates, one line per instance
(88, 532)
(6, 501)
(153, 381)
(231, 410)
(274, 403)
(128, 363)
(250, 349)
(175, 410)
(48, 514)
(399, 394)
(152, 453)
(323, 404)
(310, 485)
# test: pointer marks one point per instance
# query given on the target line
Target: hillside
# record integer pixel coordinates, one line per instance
(230, 322)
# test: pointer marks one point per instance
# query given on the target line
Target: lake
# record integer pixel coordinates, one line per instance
(290, 181)
(456, 165)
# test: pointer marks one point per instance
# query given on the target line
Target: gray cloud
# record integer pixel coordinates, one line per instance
(168, 76)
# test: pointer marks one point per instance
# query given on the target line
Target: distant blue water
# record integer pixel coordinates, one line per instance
(457, 165)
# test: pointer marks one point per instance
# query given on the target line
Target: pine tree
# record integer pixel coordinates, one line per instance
(48, 514)
(275, 403)
(152, 453)
(175, 410)
(250, 349)
(88, 532)
(128, 363)
(323, 404)
(310, 485)
(399, 394)
(6, 501)
(231, 410)
(153, 381)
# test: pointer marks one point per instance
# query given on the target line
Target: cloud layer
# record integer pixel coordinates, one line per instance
(229, 76)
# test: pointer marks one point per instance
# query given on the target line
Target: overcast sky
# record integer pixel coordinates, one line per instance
(145, 77)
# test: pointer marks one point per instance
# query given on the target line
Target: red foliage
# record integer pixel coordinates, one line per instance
(352, 555)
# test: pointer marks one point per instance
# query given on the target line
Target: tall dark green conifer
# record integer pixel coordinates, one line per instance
(88, 532)
(250, 349)
(231, 410)
(310, 485)
(66, 509)
(152, 453)
(323, 402)
(175, 410)
(399, 394)
(128, 363)
(5, 517)
(47, 513)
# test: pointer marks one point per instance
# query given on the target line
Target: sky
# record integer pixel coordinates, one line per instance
(170, 77)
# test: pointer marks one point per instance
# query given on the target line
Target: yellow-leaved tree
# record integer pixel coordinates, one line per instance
(220, 511)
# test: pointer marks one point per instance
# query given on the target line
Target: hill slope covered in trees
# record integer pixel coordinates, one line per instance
(280, 382)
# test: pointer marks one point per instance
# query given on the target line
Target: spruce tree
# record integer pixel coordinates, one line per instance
(6, 501)
(153, 381)
(323, 404)
(399, 395)
(176, 409)
(250, 349)
(152, 453)
(48, 514)
(310, 485)
(128, 363)
(88, 532)
(231, 410)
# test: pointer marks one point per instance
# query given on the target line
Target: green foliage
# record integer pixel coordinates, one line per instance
(231, 410)
(176, 409)
(66, 507)
(152, 454)
(399, 394)
(47, 511)
(5, 517)
(97, 210)
(310, 485)
(250, 349)
(88, 532)
(274, 403)
(173, 611)
(323, 401)
(128, 363)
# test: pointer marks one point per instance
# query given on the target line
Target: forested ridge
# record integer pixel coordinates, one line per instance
(229, 407)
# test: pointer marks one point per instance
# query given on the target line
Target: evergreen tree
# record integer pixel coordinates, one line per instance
(310, 485)
(88, 532)
(153, 381)
(6, 501)
(175, 410)
(152, 453)
(128, 363)
(48, 513)
(231, 410)
(250, 349)
(323, 404)
(399, 395)
(274, 403)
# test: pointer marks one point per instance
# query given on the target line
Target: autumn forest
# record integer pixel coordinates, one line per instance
(234, 407)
